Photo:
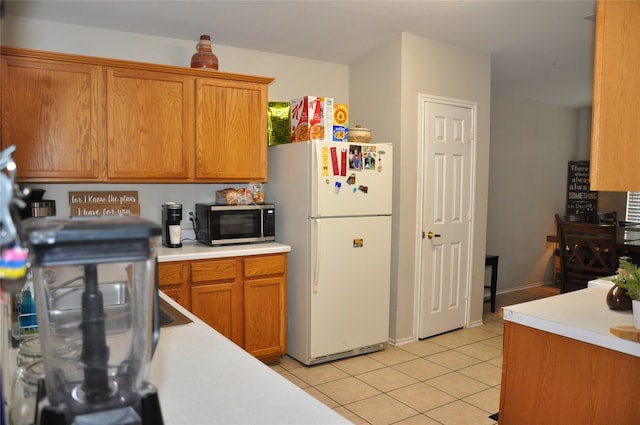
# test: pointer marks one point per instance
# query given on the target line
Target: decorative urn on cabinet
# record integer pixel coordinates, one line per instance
(204, 57)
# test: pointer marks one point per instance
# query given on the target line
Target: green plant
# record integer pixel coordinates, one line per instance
(628, 277)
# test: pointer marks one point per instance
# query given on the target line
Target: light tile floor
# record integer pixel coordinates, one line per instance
(453, 378)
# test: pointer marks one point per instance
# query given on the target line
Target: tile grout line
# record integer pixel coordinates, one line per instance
(493, 320)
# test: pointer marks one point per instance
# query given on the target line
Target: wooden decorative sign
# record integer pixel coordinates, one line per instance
(104, 197)
(580, 197)
(95, 203)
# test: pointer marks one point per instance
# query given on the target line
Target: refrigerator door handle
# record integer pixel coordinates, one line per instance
(316, 272)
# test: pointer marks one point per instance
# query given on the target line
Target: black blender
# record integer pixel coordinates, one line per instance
(95, 284)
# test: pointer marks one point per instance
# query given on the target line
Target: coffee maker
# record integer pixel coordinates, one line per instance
(95, 284)
(171, 218)
(36, 206)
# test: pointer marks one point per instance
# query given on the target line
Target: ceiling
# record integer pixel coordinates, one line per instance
(541, 50)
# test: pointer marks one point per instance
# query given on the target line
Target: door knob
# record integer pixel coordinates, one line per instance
(432, 235)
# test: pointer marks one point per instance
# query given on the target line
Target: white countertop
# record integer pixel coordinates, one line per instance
(203, 378)
(198, 251)
(582, 315)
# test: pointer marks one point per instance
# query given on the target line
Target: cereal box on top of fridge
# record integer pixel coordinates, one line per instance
(327, 118)
(340, 123)
(306, 119)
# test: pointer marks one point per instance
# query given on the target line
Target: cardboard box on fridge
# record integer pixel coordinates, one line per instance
(327, 118)
(306, 119)
(340, 122)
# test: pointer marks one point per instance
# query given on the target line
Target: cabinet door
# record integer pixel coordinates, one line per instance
(265, 304)
(173, 280)
(149, 125)
(231, 139)
(52, 113)
(616, 88)
(216, 296)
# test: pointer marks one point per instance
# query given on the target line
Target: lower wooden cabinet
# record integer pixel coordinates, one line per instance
(243, 298)
(265, 305)
(216, 295)
(174, 279)
(552, 379)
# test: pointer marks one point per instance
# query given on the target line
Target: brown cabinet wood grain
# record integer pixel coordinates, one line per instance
(243, 298)
(220, 306)
(231, 122)
(265, 304)
(174, 280)
(52, 113)
(216, 295)
(550, 379)
(85, 119)
(149, 125)
(616, 89)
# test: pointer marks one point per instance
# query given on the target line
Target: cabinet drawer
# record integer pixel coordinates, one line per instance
(207, 271)
(265, 265)
(171, 274)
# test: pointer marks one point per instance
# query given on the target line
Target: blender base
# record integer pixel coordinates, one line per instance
(147, 413)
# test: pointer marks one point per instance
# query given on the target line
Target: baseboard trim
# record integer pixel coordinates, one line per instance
(520, 288)
(402, 341)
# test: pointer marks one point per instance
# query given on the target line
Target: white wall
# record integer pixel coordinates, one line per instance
(393, 76)
(294, 77)
(375, 93)
(531, 144)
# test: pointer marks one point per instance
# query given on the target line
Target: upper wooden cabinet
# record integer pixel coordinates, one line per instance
(149, 125)
(83, 119)
(52, 113)
(231, 122)
(615, 144)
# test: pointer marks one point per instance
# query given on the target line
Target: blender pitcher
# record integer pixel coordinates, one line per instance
(95, 285)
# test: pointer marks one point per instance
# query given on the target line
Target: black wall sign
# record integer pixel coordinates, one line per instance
(579, 197)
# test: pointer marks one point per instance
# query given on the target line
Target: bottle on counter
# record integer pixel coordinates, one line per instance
(28, 320)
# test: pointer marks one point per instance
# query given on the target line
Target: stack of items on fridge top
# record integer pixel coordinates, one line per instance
(308, 118)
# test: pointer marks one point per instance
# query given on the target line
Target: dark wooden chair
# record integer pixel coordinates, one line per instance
(587, 252)
(557, 268)
(575, 218)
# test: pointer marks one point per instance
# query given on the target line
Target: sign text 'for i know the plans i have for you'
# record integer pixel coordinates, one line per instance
(108, 202)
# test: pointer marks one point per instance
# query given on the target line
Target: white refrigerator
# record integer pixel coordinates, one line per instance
(333, 206)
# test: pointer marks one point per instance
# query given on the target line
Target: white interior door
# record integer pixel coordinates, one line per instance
(446, 215)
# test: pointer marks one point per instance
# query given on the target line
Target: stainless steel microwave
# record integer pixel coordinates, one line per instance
(235, 224)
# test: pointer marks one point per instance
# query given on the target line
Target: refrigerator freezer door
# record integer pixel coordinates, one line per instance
(350, 284)
(351, 179)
